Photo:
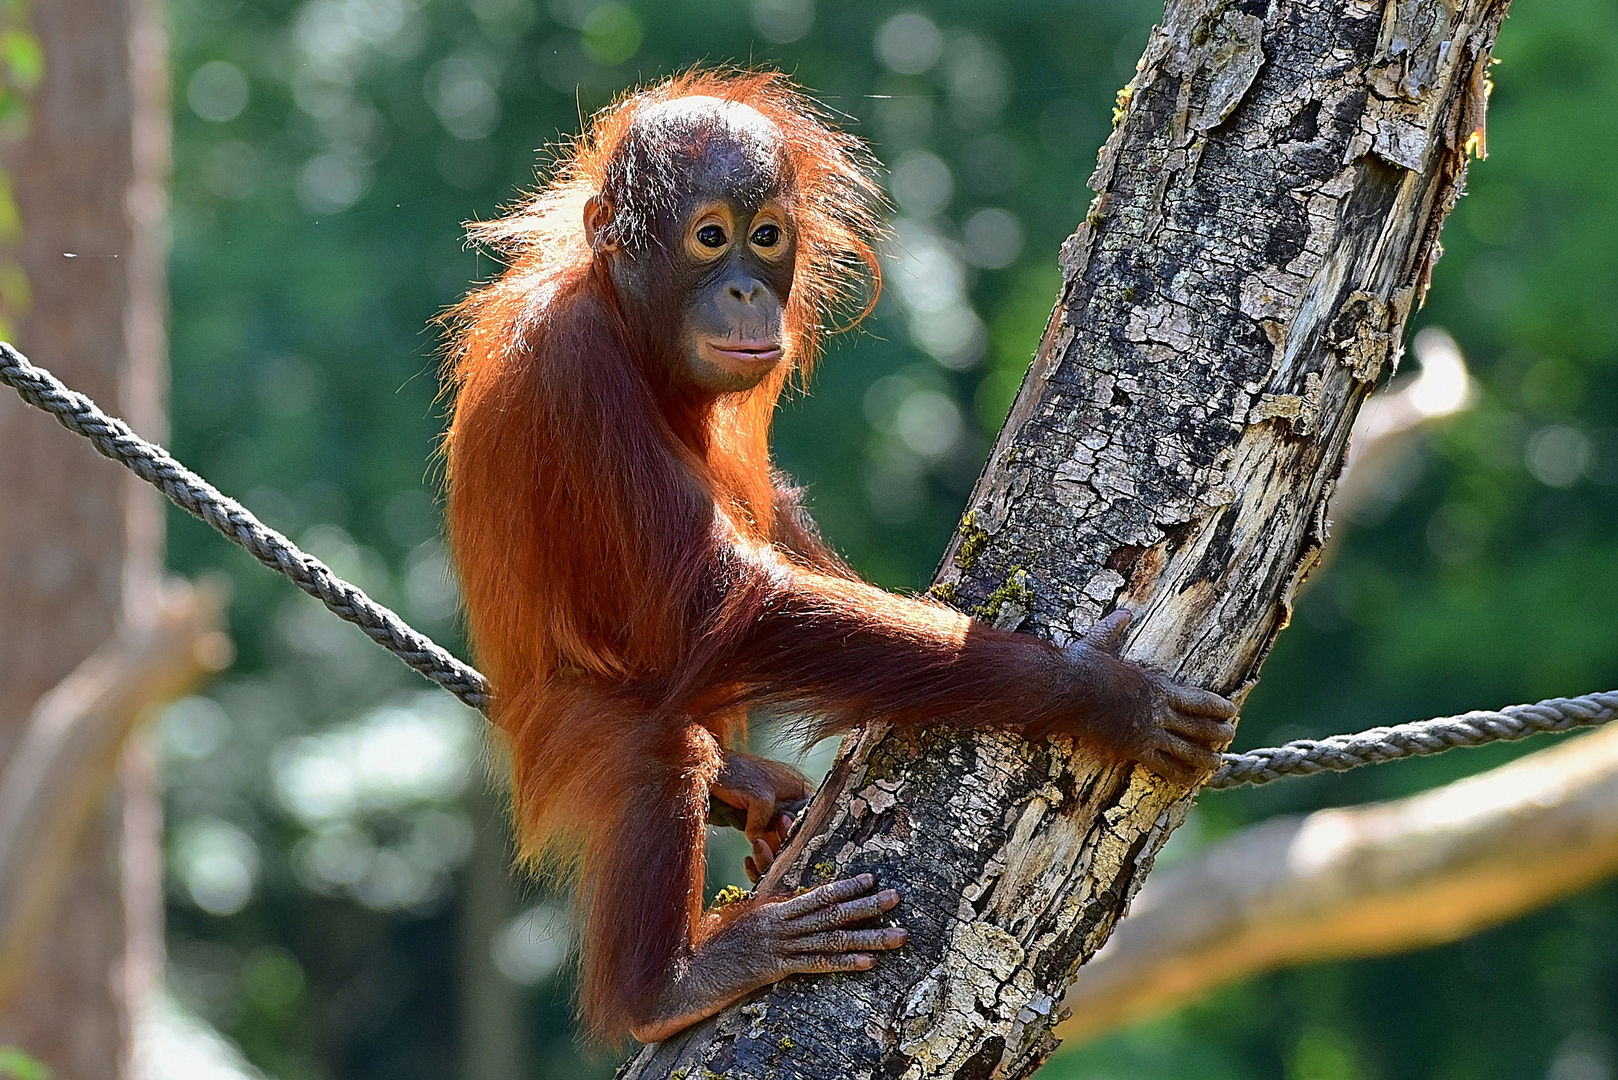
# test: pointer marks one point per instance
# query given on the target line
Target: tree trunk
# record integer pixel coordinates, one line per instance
(1268, 211)
(80, 541)
(1359, 881)
(493, 1039)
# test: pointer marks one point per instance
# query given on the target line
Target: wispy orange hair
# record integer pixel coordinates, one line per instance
(835, 209)
(581, 519)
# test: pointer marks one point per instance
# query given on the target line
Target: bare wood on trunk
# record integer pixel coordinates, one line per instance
(1361, 881)
(1268, 212)
(80, 545)
(1391, 422)
(68, 757)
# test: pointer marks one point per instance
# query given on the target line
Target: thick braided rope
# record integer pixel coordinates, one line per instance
(1340, 753)
(113, 439)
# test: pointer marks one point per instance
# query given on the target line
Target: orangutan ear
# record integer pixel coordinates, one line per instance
(597, 214)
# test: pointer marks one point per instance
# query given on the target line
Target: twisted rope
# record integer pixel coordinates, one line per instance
(112, 438)
(1304, 757)
(1339, 753)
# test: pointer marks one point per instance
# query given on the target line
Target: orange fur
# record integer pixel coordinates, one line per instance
(635, 574)
(570, 495)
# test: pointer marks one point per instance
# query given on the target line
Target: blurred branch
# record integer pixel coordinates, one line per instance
(1362, 881)
(69, 753)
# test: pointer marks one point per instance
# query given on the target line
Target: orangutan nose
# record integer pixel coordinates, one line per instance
(747, 290)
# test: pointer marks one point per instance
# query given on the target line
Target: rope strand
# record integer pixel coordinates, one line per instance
(1304, 757)
(113, 438)
(1339, 753)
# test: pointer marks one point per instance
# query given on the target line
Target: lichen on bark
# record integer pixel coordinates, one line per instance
(1266, 215)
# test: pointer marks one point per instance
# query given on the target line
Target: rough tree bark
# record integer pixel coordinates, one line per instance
(1359, 881)
(81, 541)
(1268, 212)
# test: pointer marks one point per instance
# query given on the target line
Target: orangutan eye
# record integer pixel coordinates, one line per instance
(711, 236)
(767, 236)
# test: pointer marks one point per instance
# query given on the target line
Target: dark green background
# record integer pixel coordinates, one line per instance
(317, 231)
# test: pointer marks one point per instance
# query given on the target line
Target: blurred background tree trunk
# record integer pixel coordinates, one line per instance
(492, 1038)
(80, 542)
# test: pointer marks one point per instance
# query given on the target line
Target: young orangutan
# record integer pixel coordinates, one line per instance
(637, 576)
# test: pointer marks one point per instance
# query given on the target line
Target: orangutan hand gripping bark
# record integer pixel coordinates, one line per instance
(637, 576)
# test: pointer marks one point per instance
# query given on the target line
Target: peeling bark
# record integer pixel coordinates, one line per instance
(1267, 213)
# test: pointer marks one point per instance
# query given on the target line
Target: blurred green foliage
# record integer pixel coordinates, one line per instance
(19, 1066)
(22, 65)
(327, 152)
